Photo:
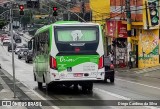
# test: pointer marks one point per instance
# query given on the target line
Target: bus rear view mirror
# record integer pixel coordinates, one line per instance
(30, 45)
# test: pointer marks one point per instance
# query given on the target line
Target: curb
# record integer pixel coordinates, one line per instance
(140, 71)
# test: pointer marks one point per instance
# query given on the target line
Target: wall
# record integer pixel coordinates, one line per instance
(100, 10)
(149, 44)
(117, 9)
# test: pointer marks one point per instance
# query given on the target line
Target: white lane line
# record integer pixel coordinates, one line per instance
(118, 79)
(122, 97)
(37, 94)
(112, 94)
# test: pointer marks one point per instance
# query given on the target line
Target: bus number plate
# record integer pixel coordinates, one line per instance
(78, 74)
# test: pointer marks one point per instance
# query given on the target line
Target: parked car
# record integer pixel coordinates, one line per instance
(22, 53)
(3, 36)
(109, 69)
(6, 41)
(18, 47)
(10, 46)
(20, 34)
(29, 56)
(17, 39)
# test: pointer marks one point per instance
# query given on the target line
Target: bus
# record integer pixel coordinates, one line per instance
(68, 53)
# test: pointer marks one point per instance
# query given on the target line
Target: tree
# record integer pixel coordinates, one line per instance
(26, 19)
(2, 23)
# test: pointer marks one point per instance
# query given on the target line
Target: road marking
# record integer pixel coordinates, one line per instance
(10, 54)
(121, 97)
(112, 94)
(138, 83)
(54, 107)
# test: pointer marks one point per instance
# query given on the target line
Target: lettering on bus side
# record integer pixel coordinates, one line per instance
(62, 59)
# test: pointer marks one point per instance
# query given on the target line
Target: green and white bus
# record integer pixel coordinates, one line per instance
(68, 53)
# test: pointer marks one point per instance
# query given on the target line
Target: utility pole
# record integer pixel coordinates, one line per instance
(68, 11)
(83, 8)
(68, 8)
(13, 66)
(128, 14)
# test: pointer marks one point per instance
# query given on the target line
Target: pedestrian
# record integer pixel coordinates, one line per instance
(111, 56)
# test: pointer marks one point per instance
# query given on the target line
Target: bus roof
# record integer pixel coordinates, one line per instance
(66, 22)
(46, 27)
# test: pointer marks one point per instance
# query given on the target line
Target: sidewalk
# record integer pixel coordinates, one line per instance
(23, 94)
(151, 71)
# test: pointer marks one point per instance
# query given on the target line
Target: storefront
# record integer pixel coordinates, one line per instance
(117, 32)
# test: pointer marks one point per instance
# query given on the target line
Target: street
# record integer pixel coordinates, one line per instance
(127, 86)
(79, 54)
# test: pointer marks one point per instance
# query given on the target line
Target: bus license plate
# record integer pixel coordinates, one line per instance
(78, 74)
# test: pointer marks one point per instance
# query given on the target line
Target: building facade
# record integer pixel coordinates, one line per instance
(145, 32)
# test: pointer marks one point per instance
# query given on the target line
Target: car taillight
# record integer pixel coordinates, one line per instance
(53, 63)
(111, 66)
(100, 64)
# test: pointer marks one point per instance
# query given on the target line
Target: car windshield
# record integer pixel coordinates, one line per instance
(20, 47)
(24, 49)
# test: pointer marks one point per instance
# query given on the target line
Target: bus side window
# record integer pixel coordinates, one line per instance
(35, 49)
(34, 45)
(48, 38)
(42, 43)
(47, 44)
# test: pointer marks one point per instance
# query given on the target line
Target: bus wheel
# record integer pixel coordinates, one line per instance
(90, 86)
(40, 85)
(75, 87)
(84, 88)
(87, 87)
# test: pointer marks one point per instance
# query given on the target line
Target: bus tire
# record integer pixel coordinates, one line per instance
(43, 79)
(87, 87)
(75, 87)
(84, 88)
(48, 87)
(40, 85)
(35, 77)
(90, 86)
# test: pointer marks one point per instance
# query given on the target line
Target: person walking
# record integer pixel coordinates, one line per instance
(111, 56)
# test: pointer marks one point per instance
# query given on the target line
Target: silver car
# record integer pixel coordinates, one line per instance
(22, 53)
(18, 49)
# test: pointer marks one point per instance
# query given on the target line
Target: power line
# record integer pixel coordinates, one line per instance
(70, 11)
(94, 10)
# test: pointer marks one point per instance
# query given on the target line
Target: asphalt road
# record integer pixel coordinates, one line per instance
(126, 87)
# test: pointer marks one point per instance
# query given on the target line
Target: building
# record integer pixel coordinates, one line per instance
(145, 32)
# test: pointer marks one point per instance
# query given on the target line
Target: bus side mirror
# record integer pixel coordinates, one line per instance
(30, 45)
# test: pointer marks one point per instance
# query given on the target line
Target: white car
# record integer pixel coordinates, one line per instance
(6, 41)
(18, 48)
(22, 53)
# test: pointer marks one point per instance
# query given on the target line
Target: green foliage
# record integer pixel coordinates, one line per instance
(41, 21)
(26, 19)
(2, 23)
